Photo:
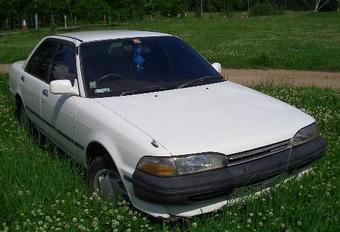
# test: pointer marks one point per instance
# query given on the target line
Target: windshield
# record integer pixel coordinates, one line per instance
(138, 65)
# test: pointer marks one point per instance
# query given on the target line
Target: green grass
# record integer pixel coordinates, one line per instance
(40, 189)
(289, 41)
(17, 46)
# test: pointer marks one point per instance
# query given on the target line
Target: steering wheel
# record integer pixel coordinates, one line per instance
(110, 76)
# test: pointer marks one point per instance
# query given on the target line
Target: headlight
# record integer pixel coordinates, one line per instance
(199, 163)
(181, 165)
(306, 134)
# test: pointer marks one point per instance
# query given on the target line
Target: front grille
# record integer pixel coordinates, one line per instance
(258, 153)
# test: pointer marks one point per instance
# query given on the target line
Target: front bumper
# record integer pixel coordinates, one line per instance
(211, 184)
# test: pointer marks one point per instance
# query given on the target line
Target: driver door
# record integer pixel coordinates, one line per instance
(60, 110)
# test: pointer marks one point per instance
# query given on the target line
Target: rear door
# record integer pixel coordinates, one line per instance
(60, 110)
(35, 75)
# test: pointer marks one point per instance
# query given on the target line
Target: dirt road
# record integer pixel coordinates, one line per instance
(4, 68)
(276, 77)
(284, 77)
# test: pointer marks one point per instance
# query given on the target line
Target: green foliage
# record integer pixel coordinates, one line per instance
(123, 10)
(91, 11)
(264, 9)
(301, 4)
(170, 8)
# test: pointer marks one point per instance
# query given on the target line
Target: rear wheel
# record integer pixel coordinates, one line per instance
(29, 126)
(105, 180)
(23, 119)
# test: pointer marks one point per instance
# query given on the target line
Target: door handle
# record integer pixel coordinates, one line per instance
(22, 78)
(45, 92)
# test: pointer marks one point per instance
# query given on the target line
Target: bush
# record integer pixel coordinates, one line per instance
(91, 11)
(170, 8)
(125, 15)
(264, 8)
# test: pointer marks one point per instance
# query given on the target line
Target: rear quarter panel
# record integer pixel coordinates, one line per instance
(15, 73)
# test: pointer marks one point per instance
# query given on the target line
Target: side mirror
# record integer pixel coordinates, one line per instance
(217, 67)
(62, 87)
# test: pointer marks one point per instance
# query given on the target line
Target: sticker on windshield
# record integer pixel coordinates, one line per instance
(93, 85)
(103, 90)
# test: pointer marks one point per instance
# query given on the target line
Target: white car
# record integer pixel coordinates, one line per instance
(151, 119)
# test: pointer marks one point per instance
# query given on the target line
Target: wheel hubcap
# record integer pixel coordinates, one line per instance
(109, 185)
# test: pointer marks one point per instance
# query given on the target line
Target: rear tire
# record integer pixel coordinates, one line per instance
(29, 126)
(23, 119)
(104, 179)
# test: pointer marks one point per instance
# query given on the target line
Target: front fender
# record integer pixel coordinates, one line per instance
(126, 159)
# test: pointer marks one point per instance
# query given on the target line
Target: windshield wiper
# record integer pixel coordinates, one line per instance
(199, 80)
(143, 90)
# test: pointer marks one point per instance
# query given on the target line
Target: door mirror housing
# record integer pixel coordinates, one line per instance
(217, 67)
(63, 87)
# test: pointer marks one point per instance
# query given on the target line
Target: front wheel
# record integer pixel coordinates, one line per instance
(105, 180)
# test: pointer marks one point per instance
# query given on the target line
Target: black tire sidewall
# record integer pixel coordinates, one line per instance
(22, 113)
(97, 164)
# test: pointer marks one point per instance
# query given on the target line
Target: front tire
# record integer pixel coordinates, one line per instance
(105, 180)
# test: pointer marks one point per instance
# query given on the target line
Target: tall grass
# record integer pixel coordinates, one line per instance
(42, 191)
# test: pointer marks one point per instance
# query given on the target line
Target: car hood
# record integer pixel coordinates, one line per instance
(223, 117)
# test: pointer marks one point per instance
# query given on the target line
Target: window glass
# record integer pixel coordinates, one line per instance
(124, 66)
(64, 65)
(41, 60)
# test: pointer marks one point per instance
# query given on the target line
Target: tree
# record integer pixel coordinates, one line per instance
(91, 11)
(319, 4)
(8, 12)
(170, 7)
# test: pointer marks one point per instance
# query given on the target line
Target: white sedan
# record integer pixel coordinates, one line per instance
(153, 121)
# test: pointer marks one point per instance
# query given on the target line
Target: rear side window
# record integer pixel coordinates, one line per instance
(41, 60)
(64, 65)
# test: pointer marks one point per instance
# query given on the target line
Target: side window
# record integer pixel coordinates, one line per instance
(64, 65)
(41, 60)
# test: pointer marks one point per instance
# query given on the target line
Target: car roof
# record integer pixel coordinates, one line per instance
(87, 36)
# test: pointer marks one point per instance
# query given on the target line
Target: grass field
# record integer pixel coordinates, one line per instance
(289, 41)
(42, 191)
